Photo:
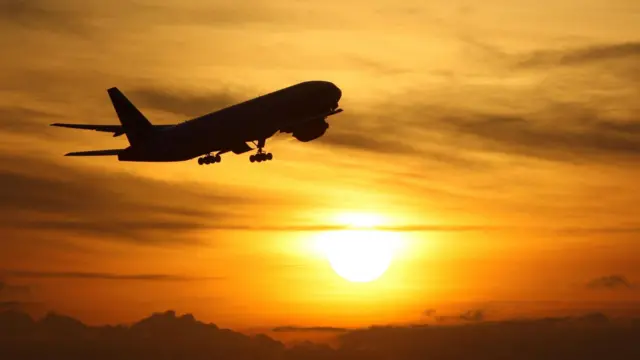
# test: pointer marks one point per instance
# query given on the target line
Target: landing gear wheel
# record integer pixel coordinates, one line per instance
(209, 159)
(260, 156)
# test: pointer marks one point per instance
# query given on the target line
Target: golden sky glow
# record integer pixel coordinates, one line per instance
(499, 141)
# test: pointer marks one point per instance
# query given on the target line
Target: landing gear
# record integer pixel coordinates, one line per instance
(209, 159)
(261, 156)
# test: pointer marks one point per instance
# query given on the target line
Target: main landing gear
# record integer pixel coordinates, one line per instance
(209, 159)
(261, 156)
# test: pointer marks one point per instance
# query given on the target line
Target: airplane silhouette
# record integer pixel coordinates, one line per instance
(300, 110)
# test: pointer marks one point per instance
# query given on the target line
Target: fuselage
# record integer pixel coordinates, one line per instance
(252, 120)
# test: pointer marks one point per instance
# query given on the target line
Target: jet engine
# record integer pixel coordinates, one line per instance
(311, 131)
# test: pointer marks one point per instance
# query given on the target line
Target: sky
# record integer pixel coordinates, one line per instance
(498, 141)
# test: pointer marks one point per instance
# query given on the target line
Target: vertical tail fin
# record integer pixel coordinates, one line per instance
(134, 124)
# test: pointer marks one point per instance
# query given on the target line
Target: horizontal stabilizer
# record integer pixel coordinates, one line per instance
(115, 129)
(112, 152)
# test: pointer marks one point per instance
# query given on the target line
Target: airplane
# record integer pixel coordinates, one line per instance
(300, 110)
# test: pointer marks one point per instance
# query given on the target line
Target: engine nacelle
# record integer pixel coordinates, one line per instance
(311, 131)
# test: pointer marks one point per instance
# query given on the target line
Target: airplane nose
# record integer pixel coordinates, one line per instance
(338, 93)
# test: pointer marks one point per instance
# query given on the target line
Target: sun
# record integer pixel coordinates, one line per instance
(359, 255)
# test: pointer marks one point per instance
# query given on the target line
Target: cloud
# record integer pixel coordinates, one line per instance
(13, 306)
(328, 329)
(101, 276)
(473, 315)
(583, 134)
(368, 131)
(44, 15)
(16, 297)
(216, 13)
(366, 141)
(552, 130)
(375, 66)
(519, 123)
(66, 200)
(91, 19)
(74, 200)
(611, 282)
(21, 120)
(582, 56)
(381, 131)
(589, 336)
(429, 312)
(8, 290)
(555, 338)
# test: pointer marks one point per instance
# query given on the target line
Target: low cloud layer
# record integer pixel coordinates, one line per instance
(167, 335)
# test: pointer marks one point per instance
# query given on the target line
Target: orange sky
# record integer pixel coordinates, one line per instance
(505, 135)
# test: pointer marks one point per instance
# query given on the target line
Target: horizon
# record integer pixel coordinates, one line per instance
(291, 335)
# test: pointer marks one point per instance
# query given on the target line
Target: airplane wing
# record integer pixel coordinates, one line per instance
(241, 148)
(117, 130)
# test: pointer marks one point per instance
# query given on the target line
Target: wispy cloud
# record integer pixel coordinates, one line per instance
(101, 276)
(581, 56)
(15, 297)
(328, 329)
(25, 121)
(473, 315)
(180, 102)
(611, 282)
(43, 15)
(112, 205)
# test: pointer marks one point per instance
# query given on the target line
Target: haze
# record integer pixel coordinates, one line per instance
(499, 140)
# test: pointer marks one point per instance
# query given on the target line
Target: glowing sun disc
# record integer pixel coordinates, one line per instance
(359, 255)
